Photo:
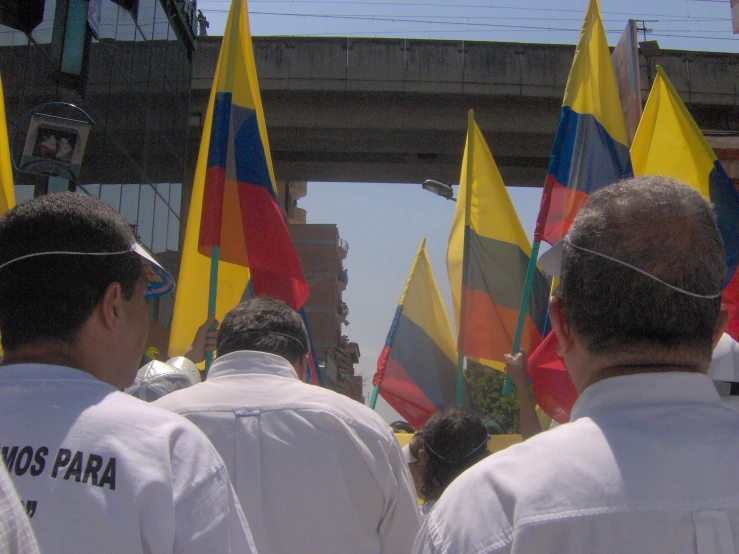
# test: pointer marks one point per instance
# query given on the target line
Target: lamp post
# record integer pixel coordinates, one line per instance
(439, 189)
(54, 145)
(446, 191)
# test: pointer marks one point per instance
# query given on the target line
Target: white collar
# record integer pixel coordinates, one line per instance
(643, 389)
(36, 371)
(248, 362)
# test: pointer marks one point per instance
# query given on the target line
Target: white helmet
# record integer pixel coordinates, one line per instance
(157, 379)
(724, 370)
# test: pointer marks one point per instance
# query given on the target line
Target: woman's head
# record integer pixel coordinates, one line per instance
(452, 441)
(413, 459)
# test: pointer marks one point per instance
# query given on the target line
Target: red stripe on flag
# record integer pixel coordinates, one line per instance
(210, 225)
(564, 204)
(553, 389)
(730, 298)
(273, 263)
(402, 393)
(488, 329)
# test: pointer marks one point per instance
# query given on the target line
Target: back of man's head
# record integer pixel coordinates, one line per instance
(263, 324)
(50, 297)
(665, 229)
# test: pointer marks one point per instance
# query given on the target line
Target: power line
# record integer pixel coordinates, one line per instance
(445, 18)
(478, 6)
(409, 19)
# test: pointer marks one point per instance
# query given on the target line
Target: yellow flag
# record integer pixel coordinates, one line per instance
(487, 279)
(7, 193)
(668, 141)
(191, 299)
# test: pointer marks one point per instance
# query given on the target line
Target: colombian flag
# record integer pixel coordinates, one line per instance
(669, 142)
(417, 370)
(590, 148)
(241, 213)
(234, 202)
(487, 259)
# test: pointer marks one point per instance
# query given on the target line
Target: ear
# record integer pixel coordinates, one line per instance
(111, 307)
(421, 456)
(560, 326)
(721, 325)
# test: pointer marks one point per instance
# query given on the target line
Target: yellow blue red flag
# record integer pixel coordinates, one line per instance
(234, 202)
(487, 279)
(591, 147)
(668, 142)
(417, 370)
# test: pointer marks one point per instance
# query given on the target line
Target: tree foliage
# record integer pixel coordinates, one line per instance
(486, 392)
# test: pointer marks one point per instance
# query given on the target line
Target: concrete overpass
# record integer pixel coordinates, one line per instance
(393, 110)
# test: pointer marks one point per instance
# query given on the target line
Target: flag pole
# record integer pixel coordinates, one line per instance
(522, 311)
(215, 251)
(465, 255)
(541, 221)
(373, 399)
(212, 296)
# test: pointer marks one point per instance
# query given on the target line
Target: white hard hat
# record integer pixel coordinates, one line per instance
(187, 367)
(724, 370)
(157, 379)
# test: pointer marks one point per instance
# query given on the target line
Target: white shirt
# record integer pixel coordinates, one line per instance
(100, 471)
(16, 536)
(648, 465)
(316, 472)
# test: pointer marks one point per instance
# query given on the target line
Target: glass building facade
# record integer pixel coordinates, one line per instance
(128, 66)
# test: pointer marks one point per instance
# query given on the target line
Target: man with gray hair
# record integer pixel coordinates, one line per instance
(648, 462)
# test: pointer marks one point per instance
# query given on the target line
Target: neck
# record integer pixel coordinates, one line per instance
(688, 363)
(53, 353)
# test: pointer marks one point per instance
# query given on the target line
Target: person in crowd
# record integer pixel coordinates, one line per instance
(315, 471)
(16, 535)
(411, 455)
(515, 366)
(402, 427)
(99, 471)
(724, 371)
(648, 461)
(156, 379)
(453, 441)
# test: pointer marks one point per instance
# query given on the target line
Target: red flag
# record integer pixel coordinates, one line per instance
(553, 389)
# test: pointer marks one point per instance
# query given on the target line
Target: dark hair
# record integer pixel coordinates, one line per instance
(453, 440)
(416, 444)
(664, 228)
(401, 426)
(263, 324)
(51, 297)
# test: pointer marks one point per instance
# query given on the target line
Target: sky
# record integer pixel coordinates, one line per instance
(384, 223)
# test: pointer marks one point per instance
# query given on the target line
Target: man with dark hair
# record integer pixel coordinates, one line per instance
(648, 462)
(97, 470)
(315, 471)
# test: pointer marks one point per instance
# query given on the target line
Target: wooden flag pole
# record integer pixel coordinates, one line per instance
(465, 255)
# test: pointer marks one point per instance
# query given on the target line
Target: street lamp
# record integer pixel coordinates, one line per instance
(439, 189)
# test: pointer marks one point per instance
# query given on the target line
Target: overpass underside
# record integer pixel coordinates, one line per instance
(388, 110)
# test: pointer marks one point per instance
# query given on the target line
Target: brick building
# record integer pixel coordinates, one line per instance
(321, 252)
